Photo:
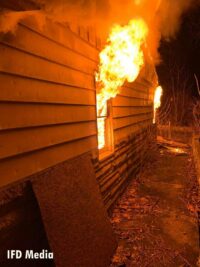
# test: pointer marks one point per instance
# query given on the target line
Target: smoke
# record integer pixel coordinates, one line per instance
(167, 12)
(10, 19)
(170, 13)
(162, 16)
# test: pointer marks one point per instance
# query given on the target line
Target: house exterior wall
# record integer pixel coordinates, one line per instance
(48, 106)
(47, 95)
(48, 118)
(133, 135)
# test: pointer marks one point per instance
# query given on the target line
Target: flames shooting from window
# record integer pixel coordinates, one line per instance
(101, 125)
(157, 101)
(121, 60)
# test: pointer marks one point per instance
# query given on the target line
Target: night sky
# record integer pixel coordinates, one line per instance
(182, 51)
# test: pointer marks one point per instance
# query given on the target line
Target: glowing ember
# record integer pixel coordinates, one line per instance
(121, 60)
(157, 100)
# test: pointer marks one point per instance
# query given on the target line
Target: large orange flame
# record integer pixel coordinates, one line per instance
(121, 60)
(157, 100)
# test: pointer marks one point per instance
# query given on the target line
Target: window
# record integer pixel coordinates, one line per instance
(105, 129)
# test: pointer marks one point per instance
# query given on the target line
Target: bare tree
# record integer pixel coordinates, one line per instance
(177, 102)
(196, 109)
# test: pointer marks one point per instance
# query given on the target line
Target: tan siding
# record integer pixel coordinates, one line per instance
(64, 36)
(47, 106)
(20, 115)
(49, 50)
(36, 67)
(127, 121)
(36, 138)
(122, 133)
(47, 99)
(122, 101)
(132, 92)
(21, 89)
(15, 168)
(140, 84)
(119, 112)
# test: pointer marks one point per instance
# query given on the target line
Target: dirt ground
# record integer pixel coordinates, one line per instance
(155, 220)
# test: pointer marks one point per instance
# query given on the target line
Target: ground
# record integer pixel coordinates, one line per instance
(155, 221)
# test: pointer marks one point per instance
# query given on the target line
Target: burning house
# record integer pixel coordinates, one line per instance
(76, 123)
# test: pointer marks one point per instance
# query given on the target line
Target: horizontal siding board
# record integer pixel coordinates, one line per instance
(19, 89)
(135, 127)
(117, 187)
(26, 140)
(48, 49)
(109, 183)
(130, 92)
(123, 122)
(119, 112)
(15, 168)
(121, 101)
(35, 67)
(139, 84)
(122, 133)
(19, 115)
(64, 36)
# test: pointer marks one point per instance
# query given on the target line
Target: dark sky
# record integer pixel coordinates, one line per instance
(182, 52)
(190, 34)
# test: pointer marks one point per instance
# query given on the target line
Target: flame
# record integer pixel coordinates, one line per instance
(101, 123)
(121, 60)
(101, 133)
(157, 100)
(137, 2)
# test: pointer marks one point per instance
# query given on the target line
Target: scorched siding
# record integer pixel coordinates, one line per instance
(132, 113)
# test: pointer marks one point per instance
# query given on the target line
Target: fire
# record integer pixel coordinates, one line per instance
(101, 123)
(137, 2)
(121, 60)
(101, 133)
(157, 100)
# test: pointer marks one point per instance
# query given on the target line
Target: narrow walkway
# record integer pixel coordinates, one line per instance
(155, 220)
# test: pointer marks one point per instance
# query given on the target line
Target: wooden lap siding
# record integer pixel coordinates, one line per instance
(47, 106)
(132, 113)
(47, 96)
